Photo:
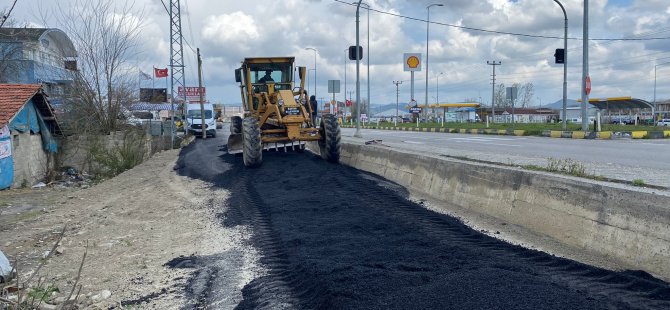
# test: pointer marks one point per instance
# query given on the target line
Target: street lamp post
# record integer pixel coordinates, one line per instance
(565, 68)
(344, 117)
(653, 112)
(313, 49)
(427, 31)
(358, 73)
(397, 100)
(437, 87)
(368, 51)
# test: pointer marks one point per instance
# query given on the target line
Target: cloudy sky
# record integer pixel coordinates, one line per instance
(229, 30)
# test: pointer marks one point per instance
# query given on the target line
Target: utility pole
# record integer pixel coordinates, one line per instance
(425, 110)
(358, 73)
(177, 58)
(397, 101)
(493, 88)
(203, 126)
(565, 67)
(585, 66)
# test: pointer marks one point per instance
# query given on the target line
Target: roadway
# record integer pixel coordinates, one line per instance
(324, 244)
(624, 159)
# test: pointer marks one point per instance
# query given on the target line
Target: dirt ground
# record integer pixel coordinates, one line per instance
(134, 225)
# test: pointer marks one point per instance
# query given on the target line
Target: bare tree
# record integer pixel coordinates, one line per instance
(106, 36)
(10, 52)
(499, 96)
(526, 93)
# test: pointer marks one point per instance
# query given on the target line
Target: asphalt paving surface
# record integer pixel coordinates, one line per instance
(333, 237)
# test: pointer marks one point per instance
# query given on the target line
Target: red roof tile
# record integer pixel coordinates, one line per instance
(13, 97)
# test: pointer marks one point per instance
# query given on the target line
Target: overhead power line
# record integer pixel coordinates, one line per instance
(500, 32)
(6, 16)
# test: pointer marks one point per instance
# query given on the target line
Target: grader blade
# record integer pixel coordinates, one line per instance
(235, 143)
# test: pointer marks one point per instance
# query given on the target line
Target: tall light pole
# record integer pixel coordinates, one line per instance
(653, 116)
(585, 66)
(397, 100)
(437, 87)
(565, 68)
(346, 54)
(358, 73)
(427, 31)
(368, 50)
(313, 49)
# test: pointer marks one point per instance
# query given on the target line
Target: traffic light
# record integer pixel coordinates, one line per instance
(352, 52)
(560, 56)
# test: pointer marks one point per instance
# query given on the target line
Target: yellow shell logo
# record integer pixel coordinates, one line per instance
(413, 62)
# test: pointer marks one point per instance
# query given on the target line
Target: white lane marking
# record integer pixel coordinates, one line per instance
(657, 144)
(412, 142)
(486, 138)
(487, 143)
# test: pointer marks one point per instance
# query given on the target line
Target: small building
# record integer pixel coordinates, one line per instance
(28, 128)
(663, 109)
(44, 56)
(522, 115)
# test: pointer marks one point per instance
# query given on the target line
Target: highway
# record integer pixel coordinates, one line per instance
(618, 159)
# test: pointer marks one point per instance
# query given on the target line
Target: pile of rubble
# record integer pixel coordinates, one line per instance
(69, 177)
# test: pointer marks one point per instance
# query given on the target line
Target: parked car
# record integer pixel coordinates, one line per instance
(664, 122)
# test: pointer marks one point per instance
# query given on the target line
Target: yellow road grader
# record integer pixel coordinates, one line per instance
(277, 113)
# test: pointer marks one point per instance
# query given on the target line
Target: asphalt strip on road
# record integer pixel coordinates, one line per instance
(333, 237)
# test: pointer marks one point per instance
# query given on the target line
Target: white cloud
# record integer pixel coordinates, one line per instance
(228, 31)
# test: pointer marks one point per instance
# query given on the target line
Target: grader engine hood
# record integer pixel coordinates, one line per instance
(287, 103)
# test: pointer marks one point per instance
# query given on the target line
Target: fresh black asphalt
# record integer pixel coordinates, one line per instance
(333, 237)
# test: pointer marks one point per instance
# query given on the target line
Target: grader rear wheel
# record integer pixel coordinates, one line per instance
(329, 144)
(253, 147)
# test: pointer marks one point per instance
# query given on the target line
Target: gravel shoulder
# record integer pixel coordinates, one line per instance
(135, 225)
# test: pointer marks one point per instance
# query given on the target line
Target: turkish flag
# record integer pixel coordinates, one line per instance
(348, 103)
(160, 73)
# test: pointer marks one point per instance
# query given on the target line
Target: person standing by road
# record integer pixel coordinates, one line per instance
(315, 106)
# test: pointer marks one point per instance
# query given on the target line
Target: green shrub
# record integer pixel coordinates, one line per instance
(638, 182)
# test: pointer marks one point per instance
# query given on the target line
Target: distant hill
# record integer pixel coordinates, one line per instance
(375, 109)
(559, 104)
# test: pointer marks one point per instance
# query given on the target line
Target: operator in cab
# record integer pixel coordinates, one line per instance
(266, 78)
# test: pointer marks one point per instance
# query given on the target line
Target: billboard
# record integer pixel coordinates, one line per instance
(192, 93)
(153, 94)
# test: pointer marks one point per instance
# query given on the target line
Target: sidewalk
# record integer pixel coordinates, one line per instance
(605, 135)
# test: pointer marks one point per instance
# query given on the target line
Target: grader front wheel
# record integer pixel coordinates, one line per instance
(253, 147)
(329, 144)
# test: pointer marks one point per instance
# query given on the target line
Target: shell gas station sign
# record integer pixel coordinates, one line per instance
(412, 61)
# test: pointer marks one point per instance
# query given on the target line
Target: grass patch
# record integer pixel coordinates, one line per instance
(567, 166)
(638, 182)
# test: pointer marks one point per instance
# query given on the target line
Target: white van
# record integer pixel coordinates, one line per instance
(664, 122)
(194, 119)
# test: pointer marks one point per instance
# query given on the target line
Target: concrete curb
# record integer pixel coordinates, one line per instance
(630, 226)
(603, 135)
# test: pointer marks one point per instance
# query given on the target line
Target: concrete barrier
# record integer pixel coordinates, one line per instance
(627, 225)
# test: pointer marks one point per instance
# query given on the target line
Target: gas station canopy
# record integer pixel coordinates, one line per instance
(620, 103)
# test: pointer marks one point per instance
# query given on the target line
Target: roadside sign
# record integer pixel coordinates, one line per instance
(364, 116)
(192, 93)
(333, 86)
(412, 61)
(510, 93)
(587, 85)
(415, 110)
